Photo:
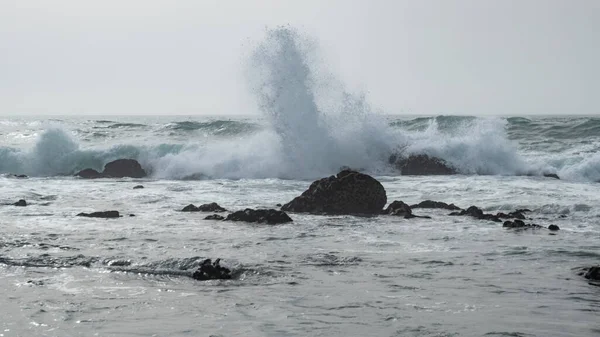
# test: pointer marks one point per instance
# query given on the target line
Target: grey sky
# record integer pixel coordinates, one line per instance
(186, 57)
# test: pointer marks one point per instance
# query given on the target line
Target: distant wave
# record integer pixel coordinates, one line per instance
(217, 127)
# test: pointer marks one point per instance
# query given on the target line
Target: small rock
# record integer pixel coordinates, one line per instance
(20, 203)
(212, 207)
(138, 187)
(399, 208)
(551, 175)
(211, 271)
(436, 204)
(131, 215)
(19, 176)
(215, 217)
(105, 214)
(190, 208)
(270, 216)
(421, 164)
(553, 227)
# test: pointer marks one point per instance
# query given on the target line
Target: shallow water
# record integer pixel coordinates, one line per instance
(318, 276)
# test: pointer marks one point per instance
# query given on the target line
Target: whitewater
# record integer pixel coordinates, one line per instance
(64, 275)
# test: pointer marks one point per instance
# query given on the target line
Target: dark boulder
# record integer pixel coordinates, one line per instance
(215, 217)
(553, 228)
(421, 164)
(593, 273)
(138, 187)
(121, 168)
(270, 216)
(399, 208)
(209, 270)
(551, 175)
(436, 204)
(511, 215)
(105, 214)
(349, 192)
(90, 174)
(20, 203)
(212, 207)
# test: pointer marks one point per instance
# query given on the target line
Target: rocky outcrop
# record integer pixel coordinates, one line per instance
(421, 164)
(20, 203)
(119, 168)
(212, 207)
(349, 192)
(209, 270)
(105, 214)
(215, 217)
(269, 216)
(436, 204)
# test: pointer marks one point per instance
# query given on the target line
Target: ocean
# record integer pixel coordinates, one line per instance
(342, 275)
(64, 275)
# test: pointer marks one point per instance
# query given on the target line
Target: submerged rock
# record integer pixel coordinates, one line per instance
(105, 214)
(519, 224)
(436, 204)
(551, 175)
(349, 192)
(121, 168)
(90, 174)
(477, 213)
(215, 217)
(20, 203)
(138, 187)
(212, 207)
(399, 208)
(19, 176)
(209, 270)
(421, 164)
(270, 216)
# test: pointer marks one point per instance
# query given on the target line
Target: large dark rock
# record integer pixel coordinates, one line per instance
(421, 164)
(349, 192)
(399, 208)
(436, 204)
(270, 216)
(211, 271)
(121, 168)
(212, 207)
(90, 174)
(20, 203)
(105, 214)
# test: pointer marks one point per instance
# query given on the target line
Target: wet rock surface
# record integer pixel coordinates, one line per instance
(120, 168)
(103, 214)
(269, 216)
(212, 207)
(20, 203)
(421, 164)
(209, 270)
(436, 204)
(349, 192)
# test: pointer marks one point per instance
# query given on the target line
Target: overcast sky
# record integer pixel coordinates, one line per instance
(479, 57)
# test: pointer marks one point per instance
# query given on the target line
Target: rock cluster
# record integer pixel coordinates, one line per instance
(119, 168)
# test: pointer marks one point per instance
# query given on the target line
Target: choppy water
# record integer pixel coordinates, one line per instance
(319, 276)
(63, 275)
